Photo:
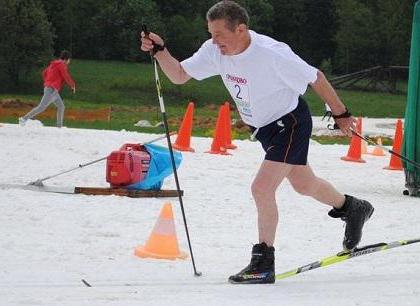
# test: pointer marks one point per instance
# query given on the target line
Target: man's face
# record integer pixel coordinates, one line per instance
(227, 41)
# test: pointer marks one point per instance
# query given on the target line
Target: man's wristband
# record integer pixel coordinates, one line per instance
(157, 48)
(346, 114)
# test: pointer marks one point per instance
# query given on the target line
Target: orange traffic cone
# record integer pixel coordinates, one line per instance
(378, 151)
(364, 147)
(183, 140)
(228, 127)
(218, 145)
(395, 162)
(354, 153)
(162, 243)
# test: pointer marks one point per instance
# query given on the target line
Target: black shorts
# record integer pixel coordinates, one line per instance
(287, 138)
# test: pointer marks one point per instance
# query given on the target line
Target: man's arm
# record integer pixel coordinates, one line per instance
(66, 76)
(172, 67)
(327, 93)
(169, 65)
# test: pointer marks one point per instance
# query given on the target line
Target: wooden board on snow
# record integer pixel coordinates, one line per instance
(127, 192)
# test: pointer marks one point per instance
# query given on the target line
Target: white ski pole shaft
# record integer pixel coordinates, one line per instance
(165, 123)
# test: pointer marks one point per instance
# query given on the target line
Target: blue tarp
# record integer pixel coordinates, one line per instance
(160, 168)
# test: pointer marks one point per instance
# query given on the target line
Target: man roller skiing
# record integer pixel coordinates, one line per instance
(266, 79)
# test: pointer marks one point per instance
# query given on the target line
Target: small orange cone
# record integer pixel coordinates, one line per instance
(395, 162)
(354, 153)
(183, 140)
(228, 128)
(363, 143)
(218, 145)
(162, 243)
(364, 147)
(378, 151)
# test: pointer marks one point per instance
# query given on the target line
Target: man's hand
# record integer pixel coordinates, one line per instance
(152, 43)
(346, 125)
(342, 117)
(74, 89)
(149, 41)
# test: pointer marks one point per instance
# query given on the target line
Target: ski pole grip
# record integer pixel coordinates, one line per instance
(145, 30)
(156, 48)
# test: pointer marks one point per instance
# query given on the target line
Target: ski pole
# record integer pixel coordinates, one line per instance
(38, 182)
(165, 123)
(417, 165)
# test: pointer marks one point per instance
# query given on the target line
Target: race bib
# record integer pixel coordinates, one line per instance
(239, 91)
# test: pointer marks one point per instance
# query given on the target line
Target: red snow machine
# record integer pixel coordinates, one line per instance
(128, 165)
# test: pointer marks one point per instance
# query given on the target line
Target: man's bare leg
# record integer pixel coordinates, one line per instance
(354, 211)
(306, 183)
(263, 188)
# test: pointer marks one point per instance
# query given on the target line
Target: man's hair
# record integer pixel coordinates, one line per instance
(65, 55)
(230, 11)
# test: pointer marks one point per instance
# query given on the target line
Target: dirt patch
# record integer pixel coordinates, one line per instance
(212, 107)
(17, 108)
(15, 103)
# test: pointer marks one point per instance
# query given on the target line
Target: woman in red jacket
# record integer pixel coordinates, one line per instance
(54, 77)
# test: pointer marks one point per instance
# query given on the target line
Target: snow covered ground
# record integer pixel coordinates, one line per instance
(372, 127)
(49, 242)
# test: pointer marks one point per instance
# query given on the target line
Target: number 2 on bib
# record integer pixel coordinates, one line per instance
(241, 97)
(238, 91)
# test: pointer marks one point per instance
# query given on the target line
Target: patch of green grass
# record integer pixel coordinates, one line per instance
(365, 104)
(123, 83)
(130, 89)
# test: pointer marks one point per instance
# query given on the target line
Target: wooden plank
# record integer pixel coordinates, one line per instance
(127, 193)
(357, 73)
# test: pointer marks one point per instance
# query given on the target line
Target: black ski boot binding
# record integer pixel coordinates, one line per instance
(354, 213)
(261, 268)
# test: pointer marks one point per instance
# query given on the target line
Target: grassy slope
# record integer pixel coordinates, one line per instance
(130, 89)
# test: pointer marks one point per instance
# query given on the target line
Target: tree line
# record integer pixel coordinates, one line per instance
(338, 36)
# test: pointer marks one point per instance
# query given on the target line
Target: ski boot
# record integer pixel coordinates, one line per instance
(261, 268)
(354, 213)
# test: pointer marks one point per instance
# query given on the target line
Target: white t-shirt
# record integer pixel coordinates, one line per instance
(265, 80)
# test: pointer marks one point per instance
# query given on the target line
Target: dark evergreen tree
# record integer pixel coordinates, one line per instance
(317, 32)
(355, 33)
(25, 38)
(261, 14)
(184, 36)
(118, 25)
(61, 15)
(371, 33)
(308, 26)
(75, 26)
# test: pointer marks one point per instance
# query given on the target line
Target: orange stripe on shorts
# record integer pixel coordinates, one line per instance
(291, 137)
